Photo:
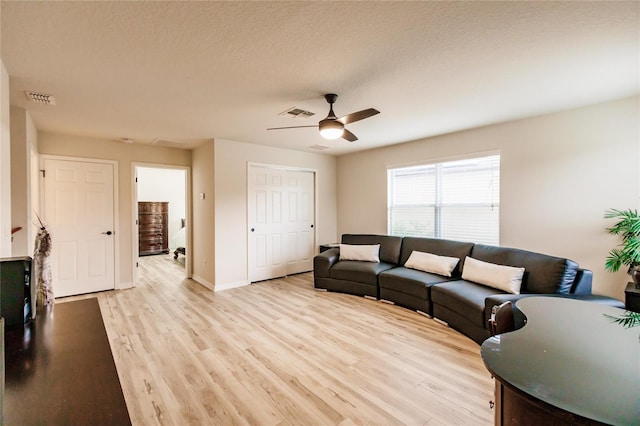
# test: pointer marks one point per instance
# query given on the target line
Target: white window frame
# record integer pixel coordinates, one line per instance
(438, 204)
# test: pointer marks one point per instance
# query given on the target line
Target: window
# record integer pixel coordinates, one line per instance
(456, 200)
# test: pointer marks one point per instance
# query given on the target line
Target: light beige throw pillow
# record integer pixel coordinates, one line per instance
(429, 262)
(505, 278)
(364, 252)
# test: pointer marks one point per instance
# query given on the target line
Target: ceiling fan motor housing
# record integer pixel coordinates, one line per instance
(330, 128)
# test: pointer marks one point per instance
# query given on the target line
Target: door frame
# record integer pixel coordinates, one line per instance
(315, 203)
(134, 216)
(117, 285)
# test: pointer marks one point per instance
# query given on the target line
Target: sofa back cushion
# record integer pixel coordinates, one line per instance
(438, 247)
(389, 246)
(542, 273)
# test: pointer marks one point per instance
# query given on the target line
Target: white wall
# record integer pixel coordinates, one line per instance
(23, 143)
(34, 192)
(203, 214)
(5, 165)
(559, 173)
(156, 184)
(231, 233)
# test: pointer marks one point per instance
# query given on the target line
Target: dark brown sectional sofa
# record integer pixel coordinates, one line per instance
(464, 305)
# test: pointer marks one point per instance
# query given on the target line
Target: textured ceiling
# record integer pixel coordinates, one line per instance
(192, 71)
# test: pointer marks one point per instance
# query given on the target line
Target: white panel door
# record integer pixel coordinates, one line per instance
(300, 221)
(78, 209)
(266, 219)
(281, 206)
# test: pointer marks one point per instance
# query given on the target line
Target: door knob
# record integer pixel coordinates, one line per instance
(108, 233)
(252, 229)
(312, 226)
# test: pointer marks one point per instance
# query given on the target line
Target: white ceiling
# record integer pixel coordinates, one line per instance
(192, 71)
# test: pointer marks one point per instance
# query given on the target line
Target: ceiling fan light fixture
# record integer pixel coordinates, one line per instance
(331, 129)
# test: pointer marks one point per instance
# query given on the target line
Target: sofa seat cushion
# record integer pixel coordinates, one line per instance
(410, 281)
(358, 271)
(464, 297)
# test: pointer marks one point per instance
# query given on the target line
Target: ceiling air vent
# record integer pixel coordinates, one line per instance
(296, 113)
(168, 143)
(41, 98)
(319, 147)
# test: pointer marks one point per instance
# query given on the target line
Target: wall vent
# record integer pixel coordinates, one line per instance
(296, 113)
(41, 98)
(319, 147)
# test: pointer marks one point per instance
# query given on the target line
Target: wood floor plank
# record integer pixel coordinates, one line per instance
(280, 353)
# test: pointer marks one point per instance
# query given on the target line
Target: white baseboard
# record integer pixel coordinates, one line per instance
(389, 302)
(203, 282)
(122, 286)
(425, 314)
(227, 286)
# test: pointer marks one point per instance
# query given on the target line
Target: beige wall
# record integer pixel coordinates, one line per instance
(231, 160)
(24, 140)
(5, 165)
(34, 182)
(559, 173)
(203, 213)
(124, 154)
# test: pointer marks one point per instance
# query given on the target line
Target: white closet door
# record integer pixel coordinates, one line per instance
(300, 221)
(281, 206)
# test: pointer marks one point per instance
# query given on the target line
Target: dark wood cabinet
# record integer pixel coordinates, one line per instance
(514, 407)
(16, 291)
(632, 297)
(153, 224)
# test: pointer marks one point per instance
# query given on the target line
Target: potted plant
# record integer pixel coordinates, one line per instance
(628, 251)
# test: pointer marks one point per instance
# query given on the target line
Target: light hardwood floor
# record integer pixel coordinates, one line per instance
(279, 352)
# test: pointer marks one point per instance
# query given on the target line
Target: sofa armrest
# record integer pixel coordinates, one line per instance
(498, 299)
(583, 282)
(324, 261)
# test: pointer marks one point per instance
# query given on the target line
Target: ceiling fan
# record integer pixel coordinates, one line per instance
(332, 127)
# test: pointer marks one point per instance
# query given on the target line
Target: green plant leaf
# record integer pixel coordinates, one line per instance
(614, 261)
(627, 320)
(628, 228)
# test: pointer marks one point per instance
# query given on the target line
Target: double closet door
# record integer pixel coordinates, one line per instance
(281, 213)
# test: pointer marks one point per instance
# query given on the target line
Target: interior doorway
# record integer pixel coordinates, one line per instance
(161, 215)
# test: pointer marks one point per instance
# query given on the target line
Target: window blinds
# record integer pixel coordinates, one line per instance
(457, 200)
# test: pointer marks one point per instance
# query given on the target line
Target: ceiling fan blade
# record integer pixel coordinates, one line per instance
(357, 116)
(290, 127)
(347, 135)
